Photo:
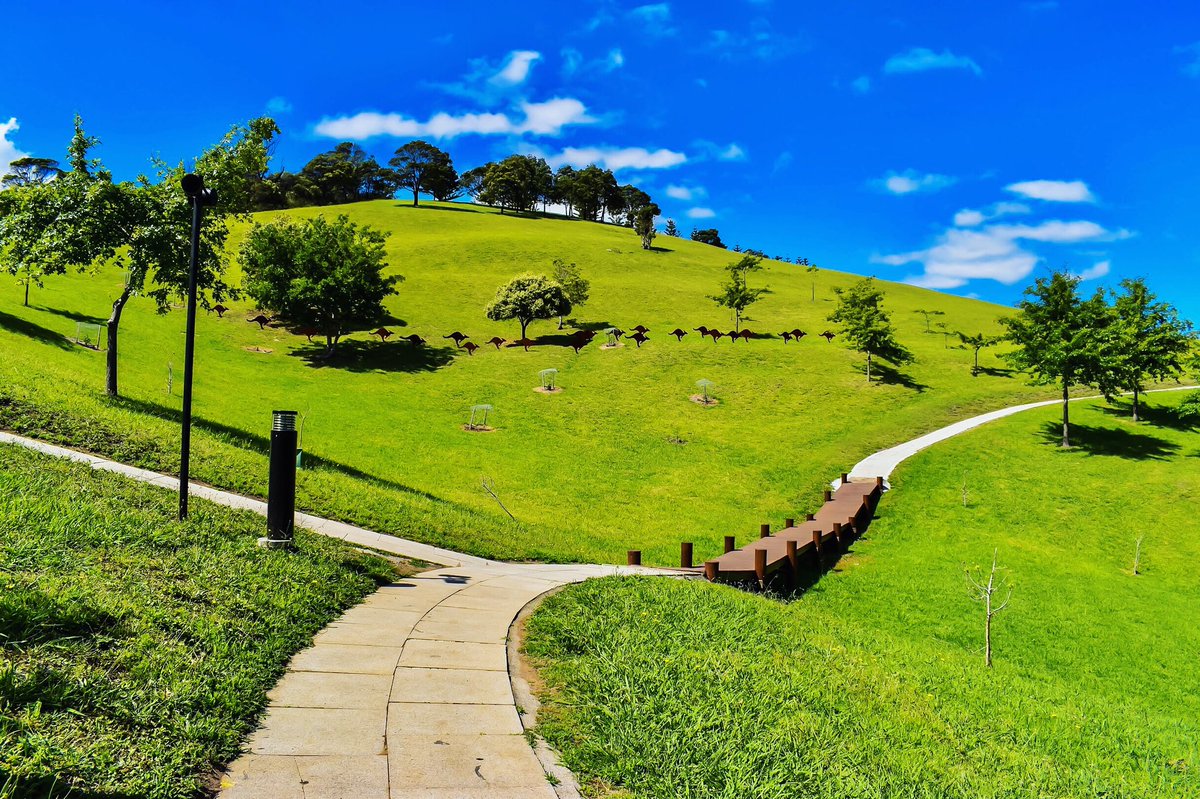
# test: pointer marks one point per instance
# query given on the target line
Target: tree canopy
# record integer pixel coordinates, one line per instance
(735, 294)
(1149, 341)
(643, 223)
(708, 236)
(319, 273)
(866, 325)
(526, 298)
(30, 171)
(1060, 338)
(421, 167)
(575, 286)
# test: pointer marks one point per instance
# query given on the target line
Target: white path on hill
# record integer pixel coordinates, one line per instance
(882, 463)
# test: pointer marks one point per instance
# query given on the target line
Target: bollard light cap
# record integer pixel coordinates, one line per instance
(283, 420)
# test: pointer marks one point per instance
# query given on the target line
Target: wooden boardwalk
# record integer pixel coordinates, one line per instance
(786, 554)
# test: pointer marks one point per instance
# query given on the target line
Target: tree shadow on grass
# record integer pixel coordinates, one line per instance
(375, 356)
(1157, 415)
(890, 375)
(33, 330)
(1116, 442)
(596, 326)
(72, 315)
(994, 371)
(243, 439)
(463, 210)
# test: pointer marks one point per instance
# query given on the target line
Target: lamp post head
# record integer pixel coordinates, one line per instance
(193, 187)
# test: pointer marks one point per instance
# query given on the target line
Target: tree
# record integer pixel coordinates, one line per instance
(927, 314)
(348, 174)
(518, 182)
(30, 171)
(977, 342)
(1150, 340)
(471, 181)
(866, 325)
(643, 224)
(27, 216)
(988, 593)
(143, 226)
(563, 191)
(421, 167)
(526, 298)
(1060, 338)
(671, 229)
(575, 286)
(320, 274)
(633, 200)
(708, 236)
(735, 294)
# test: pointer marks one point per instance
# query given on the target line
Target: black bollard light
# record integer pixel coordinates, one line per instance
(199, 197)
(281, 492)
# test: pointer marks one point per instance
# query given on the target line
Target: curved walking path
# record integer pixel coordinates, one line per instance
(410, 694)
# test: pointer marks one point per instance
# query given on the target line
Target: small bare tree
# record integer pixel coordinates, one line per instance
(1137, 554)
(987, 593)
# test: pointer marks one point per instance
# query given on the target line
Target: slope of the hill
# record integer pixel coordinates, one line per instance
(873, 684)
(620, 459)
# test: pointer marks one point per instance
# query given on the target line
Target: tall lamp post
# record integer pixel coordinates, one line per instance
(199, 197)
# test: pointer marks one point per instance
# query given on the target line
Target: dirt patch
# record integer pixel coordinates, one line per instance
(478, 428)
(611, 346)
(262, 350)
(544, 390)
(700, 400)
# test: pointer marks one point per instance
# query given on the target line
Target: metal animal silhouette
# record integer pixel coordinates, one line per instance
(642, 329)
(828, 335)
(415, 340)
(678, 334)
(383, 333)
(798, 334)
(715, 334)
(220, 309)
(470, 347)
(459, 338)
(523, 342)
(496, 341)
(308, 332)
(640, 337)
(260, 320)
(702, 330)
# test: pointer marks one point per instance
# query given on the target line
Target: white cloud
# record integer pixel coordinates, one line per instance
(574, 62)
(701, 213)
(910, 181)
(994, 252)
(861, 84)
(616, 59)
(971, 217)
(922, 59)
(653, 12)
(516, 68)
(1099, 270)
(279, 105)
(759, 42)
(617, 158)
(1061, 191)
(732, 153)
(679, 192)
(542, 119)
(8, 150)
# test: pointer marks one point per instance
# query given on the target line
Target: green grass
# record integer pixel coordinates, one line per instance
(872, 684)
(136, 652)
(590, 472)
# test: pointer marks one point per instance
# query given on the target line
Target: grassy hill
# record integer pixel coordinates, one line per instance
(620, 459)
(873, 684)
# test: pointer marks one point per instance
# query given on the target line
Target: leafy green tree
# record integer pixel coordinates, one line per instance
(471, 181)
(735, 294)
(672, 229)
(862, 320)
(928, 314)
(977, 342)
(30, 171)
(143, 226)
(348, 174)
(708, 236)
(518, 182)
(643, 225)
(421, 167)
(320, 274)
(1060, 338)
(634, 200)
(1150, 341)
(575, 286)
(563, 190)
(526, 298)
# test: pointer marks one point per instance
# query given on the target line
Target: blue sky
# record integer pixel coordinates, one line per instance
(968, 147)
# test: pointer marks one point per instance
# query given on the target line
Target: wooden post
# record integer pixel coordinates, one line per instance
(789, 522)
(760, 567)
(817, 546)
(879, 483)
(845, 477)
(828, 495)
(810, 517)
(729, 547)
(793, 562)
(837, 535)
(634, 557)
(764, 530)
(685, 555)
(711, 569)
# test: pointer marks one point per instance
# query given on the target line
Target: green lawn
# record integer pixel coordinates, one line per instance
(136, 651)
(620, 459)
(873, 685)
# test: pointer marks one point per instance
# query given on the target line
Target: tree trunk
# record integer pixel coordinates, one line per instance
(868, 366)
(560, 323)
(26, 293)
(524, 325)
(414, 198)
(987, 635)
(1136, 396)
(975, 371)
(1066, 437)
(112, 327)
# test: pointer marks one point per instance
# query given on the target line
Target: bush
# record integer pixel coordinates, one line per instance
(1189, 409)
